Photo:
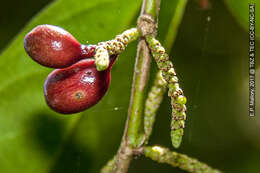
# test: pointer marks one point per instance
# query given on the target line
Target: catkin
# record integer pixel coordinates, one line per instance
(184, 162)
(178, 100)
(153, 101)
(115, 46)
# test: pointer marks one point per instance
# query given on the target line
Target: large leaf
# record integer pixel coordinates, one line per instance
(31, 135)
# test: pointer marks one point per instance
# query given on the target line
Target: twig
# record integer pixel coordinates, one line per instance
(133, 136)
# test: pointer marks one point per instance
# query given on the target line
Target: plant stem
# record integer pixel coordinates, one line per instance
(151, 7)
(133, 134)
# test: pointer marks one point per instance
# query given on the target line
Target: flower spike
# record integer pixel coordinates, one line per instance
(178, 100)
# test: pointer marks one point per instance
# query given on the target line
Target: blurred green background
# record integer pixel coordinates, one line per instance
(210, 55)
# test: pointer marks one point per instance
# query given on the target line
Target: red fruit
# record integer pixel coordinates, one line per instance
(77, 87)
(52, 46)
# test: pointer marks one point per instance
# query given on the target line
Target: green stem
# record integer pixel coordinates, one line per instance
(150, 7)
(135, 132)
(164, 155)
(133, 137)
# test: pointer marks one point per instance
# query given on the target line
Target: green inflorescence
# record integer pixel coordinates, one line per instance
(164, 155)
(152, 103)
(101, 57)
(115, 46)
(178, 100)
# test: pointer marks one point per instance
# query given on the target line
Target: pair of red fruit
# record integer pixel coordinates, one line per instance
(76, 84)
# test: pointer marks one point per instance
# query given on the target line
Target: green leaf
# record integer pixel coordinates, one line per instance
(240, 10)
(32, 137)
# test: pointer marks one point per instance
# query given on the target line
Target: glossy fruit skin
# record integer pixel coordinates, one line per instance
(52, 46)
(77, 87)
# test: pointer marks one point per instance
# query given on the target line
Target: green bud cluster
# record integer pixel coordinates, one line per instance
(164, 155)
(115, 46)
(152, 103)
(178, 100)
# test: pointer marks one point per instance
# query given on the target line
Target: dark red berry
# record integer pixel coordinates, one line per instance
(52, 46)
(77, 87)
